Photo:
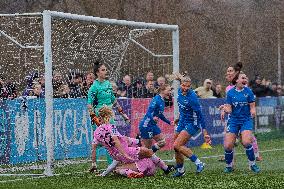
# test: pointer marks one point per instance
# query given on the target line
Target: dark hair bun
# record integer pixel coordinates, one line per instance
(97, 63)
(238, 66)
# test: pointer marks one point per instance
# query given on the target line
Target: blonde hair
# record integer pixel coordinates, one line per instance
(105, 113)
(179, 77)
(185, 79)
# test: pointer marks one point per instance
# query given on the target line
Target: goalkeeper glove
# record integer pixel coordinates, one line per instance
(95, 119)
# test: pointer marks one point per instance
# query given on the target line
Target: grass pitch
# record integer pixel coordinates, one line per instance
(271, 176)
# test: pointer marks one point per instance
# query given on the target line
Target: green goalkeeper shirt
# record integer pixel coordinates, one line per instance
(100, 94)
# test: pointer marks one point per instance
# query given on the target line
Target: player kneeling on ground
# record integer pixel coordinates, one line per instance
(123, 149)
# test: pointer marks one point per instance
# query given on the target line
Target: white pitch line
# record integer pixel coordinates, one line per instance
(5, 181)
(20, 174)
(216, 156)
(171, 160)
(42, 176)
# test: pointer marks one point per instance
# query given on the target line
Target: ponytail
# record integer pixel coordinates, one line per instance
(238, 69)
(97, 66)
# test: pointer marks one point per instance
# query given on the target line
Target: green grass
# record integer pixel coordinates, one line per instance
(271, 176)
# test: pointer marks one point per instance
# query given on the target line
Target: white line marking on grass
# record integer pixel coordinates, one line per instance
(20, 174)
(36, 176)
(21, 179)
(216, 156)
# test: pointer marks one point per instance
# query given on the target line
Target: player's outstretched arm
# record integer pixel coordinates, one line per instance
(120, 110)
(110, 168)
(164, 119)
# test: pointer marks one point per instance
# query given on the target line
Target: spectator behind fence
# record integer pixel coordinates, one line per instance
(217, 91)
(150, 90)
(125, 88)
(90, 78)
(205, 91)
(7, 89)
(30, 79)
(149, 77)
(64, 91)
(41, 81)
(139, 88)
(75, 86)
(57, 81)
(37, 91)
(279, 90)
(273, 89)
(160, 82)
(114, 88)
(258, 88)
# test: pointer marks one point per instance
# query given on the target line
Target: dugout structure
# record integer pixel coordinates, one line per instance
(56, 41)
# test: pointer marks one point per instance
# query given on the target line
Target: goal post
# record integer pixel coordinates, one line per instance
(120, 37)
(48, 92)
(47, 15)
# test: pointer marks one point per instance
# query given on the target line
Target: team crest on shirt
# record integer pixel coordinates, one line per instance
(246, 95)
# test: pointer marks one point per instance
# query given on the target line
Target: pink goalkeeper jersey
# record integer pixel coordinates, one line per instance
(103, 135)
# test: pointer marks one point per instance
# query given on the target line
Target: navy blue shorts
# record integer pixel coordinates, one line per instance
(238, 126)
(148, 130)
(188, 127)
(180, 127)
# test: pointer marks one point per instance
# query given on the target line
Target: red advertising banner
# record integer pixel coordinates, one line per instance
(138, 110)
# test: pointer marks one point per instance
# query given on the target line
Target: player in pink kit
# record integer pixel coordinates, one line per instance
(125, 150)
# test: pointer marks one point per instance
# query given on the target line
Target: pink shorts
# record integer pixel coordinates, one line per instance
(146, 166)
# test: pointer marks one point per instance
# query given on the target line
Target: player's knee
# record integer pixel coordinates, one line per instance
(146, 152)
(161, 143)
(246, 142)
(228, 146)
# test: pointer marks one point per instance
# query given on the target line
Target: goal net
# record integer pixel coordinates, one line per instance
(39, 51)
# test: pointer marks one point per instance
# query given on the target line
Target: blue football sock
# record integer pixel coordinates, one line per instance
(250, 153)
(194, 159)
(229, 154)
(155, 148)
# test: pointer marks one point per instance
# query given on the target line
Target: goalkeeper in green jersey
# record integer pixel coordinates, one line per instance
(101, 94)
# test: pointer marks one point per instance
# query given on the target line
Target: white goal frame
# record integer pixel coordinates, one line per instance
(47, 28)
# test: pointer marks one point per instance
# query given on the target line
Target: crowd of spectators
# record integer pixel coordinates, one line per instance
(77, 86)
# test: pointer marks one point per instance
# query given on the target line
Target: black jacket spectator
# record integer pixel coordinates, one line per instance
(217, 91)
(125, 88)
(139, 88)
(7, 90)
(76, 87)
(260, 90)
(150, 90)
(272, 91)
(87, 83)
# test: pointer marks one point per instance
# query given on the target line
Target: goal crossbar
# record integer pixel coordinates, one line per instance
(47, 16)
